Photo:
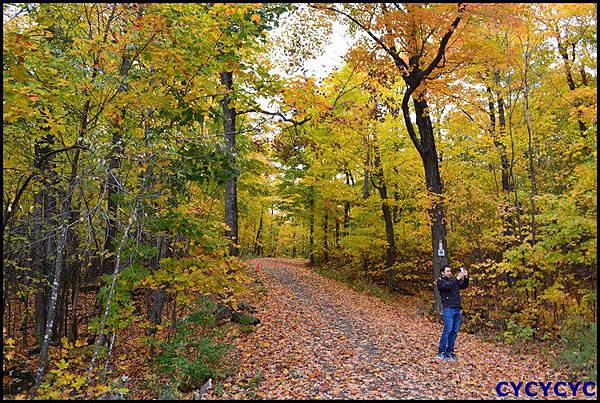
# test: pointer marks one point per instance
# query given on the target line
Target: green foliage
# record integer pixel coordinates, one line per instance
(580, 346)
(518, 333)
(201, 162)
(163, 390)
(190, 358)
(120, 314)
(66, 378)
(358, 282)
(245, 319)
(168, 392)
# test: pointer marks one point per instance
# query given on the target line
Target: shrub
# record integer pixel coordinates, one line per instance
(190, 358)
(580, 345)
(517, 333)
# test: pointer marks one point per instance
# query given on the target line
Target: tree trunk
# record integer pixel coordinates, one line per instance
(584, 79)
(59, 275)
(38, 267)
(115, 273)
(337, 232)
(497, 139)
(365, 188)
(43, 250)
(257, 242)
(567, 64)
(501, 147)
(72, 277)
(434, 184)
(390, 254)
(396, 209)
(72, 334)
(53, 300)
(507, 185)
(57, 331)
(155, 301)
(311, 238)
(325, 239)
(533, 191)
(347, 209)
(114, 164)
(231, 209)
(25, 321)
(517, 208)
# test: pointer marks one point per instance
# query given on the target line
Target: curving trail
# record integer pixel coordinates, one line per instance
(318, 339)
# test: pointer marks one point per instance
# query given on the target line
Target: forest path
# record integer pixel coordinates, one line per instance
(318, 339)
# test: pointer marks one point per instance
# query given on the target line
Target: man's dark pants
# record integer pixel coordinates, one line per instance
(452, 319)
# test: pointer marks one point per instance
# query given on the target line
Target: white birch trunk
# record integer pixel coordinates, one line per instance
(52, 305)
(110, 294)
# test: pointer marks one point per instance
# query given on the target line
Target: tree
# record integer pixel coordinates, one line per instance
(406, 33)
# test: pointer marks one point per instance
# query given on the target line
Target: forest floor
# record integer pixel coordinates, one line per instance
(318, 339)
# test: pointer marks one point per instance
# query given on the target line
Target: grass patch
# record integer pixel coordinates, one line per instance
(579, 348)
(360, 284)
(247, 329)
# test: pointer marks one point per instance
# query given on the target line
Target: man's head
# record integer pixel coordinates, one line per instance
(446, 272)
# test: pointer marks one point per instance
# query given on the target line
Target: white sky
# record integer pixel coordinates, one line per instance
(337, 44)
(333, 54)
(331, 58)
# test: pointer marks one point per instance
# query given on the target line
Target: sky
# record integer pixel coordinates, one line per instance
(332, 57)
(339, 41)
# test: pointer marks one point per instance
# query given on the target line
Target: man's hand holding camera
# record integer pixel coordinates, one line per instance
(463, 273)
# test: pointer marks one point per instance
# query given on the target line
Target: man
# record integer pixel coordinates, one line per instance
(449, 291)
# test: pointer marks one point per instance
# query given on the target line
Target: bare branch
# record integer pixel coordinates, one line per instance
(407, 121)
(399, 62)
(444, 42)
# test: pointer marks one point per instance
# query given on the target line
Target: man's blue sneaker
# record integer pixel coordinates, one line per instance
(451, 356)
(442, 356)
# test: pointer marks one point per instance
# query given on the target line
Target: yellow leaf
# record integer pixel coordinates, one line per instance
(62, 364)
(79, 382)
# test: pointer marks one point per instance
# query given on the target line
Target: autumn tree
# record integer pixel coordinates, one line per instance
(416, 37)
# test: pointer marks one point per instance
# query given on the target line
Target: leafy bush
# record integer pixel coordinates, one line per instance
(168, 392)
(356, 281)
(200, 275)
(580, 341)
(121, 310)
(191, 358)
(517, 333)
(245, 319)
(190, 373)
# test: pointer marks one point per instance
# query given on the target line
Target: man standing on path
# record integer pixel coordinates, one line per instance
(449, 291)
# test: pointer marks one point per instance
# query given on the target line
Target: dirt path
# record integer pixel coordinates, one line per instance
(319, 339)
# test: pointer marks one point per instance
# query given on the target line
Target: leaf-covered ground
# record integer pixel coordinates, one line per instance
(318, 339)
